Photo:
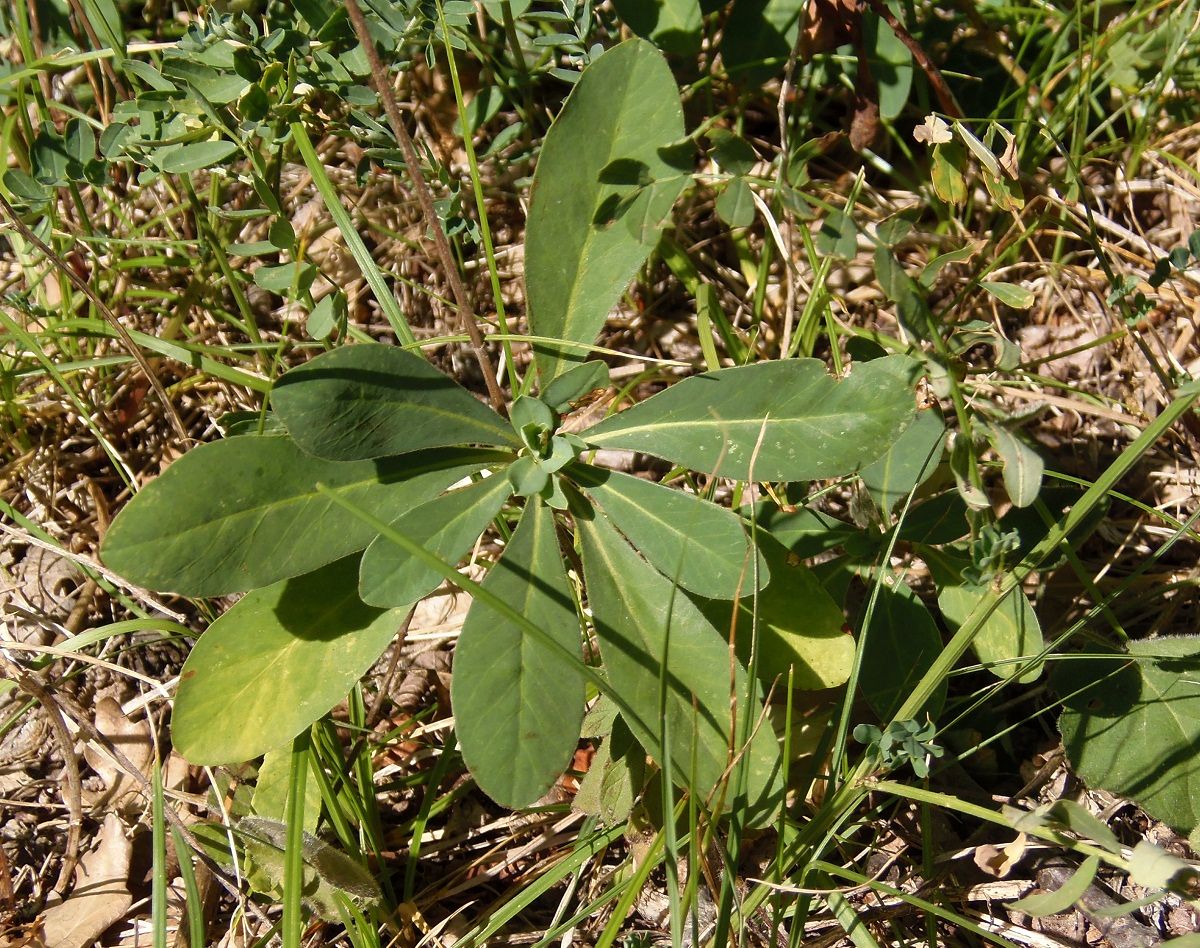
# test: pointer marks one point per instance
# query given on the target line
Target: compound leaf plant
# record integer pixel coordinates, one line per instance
(373, 457)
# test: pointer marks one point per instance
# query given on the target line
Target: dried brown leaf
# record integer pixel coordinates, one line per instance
(100, 896)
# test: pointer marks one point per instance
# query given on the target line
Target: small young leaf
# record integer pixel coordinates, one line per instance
(948, 182)
(652, 636)
(937, 264)
(446, 526)
(187, 158)
(1010, 294)
(371, 401)
(245, 512)
(838, 236)
(1156, 868)
(286, 279)
(274, 663)
(773, 421)
(528, 478)
(735, 204)
(323, 319)
(893, 230)
(80, 141)
(1162, 270)
(1023, 466)
(49, 157)
(1010, 633)
(574, 384)
(282, 234)
(733, 154)
(517, 705)
(960, 460)
(701, 546)
(614, 779)
(532, 419)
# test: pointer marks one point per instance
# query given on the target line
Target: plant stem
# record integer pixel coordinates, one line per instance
(466, 317)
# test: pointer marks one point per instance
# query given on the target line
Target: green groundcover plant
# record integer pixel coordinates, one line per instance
(372, 477)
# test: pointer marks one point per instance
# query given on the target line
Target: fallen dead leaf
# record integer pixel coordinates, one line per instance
(100, 896)
(132, 738)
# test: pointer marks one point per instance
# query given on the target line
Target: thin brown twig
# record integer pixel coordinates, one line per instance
(110, 317)
(466, 317)
(932, 73)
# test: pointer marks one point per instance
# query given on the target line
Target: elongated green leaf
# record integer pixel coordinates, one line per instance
(800, 629)
(1010, 633)
(907, 463)
(1010, 294)
(187, 158)
(237, 514)
(1051, 903)
(1023, 466)
(1132, 725)
(672, 25)
(275, 662)
(891, 63)
(328, 875)
(446, 526)
(650, 633)
(772, 421)
(518, 706)
(702, 547)
(625, 108)
(373, 401)
(902, 642)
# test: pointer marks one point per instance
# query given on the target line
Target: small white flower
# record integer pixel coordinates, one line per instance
(935, 131)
